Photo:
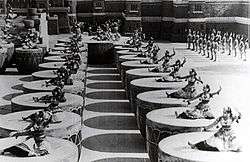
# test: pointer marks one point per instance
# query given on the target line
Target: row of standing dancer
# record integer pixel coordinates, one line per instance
(216, 42)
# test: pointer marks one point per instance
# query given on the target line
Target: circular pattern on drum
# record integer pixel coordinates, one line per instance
(105, 85)
(45, 74)
(26, 102)
(106, 95)
(116, 143)
(70, 123)
(40, 86)
(180, 151)
(61, 150)
(163, 123)
(51, 65)
(54, 59)
(114, 107)
(113, 122)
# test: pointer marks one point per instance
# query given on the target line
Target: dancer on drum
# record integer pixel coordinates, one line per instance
(224, 139)
(202, 109)
(152, 56)
(189, 91)
(165, 64)
(51, 110)
(174, 69)
(57, 95)
(36, 130)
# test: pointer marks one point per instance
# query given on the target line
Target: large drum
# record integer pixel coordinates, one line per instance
(100, 52)
(62, 45)
(59, 49)
(128, 65)
(73, 102)
(179, 151)
(163, 123)
(40, 86)
(69, 128)
(54, 59)
(144, 84)
(137, 74)
(45, 74)
(28, 60)
(57, 53)
(61, 150)
(50, 74)
(153, 100)
(123, 53)
(51, 65)
(63, 40)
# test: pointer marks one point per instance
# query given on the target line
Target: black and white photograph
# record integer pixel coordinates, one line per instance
(124, 80)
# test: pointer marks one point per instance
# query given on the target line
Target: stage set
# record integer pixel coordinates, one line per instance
(124, 81)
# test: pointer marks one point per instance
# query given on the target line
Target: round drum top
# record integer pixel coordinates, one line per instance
(63, 40)
(56, 53)
(151, 82)
(144, 72)
(27, 100)
(137, 64)
(118, 48)
(180, 149)
(61, 150)
(166, 116)
(130, 58)
(160, 97)
(121, 41)
(45, 74)
(54, 58)
(127, 52)
(62, 45)
(59, 49)
(13, 121)
(40, 85)
(51, 65)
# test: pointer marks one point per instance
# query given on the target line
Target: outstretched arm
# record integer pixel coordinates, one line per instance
(184, 61)
(213, 124)
(183, 77)
(215, 93)
(194, 98)
(173, 53)
(199, 80)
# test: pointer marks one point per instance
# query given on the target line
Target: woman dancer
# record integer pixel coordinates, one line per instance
(224, 139)
(202, 109)
(189, 90)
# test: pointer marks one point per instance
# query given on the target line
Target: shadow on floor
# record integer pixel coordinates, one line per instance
(103, 85)
(27, 79)
(18, 87)
(107, 95)
(117, 143)
(12, 95)
(115, 107)
(103, 71)
(5, 109)
(112, 122)
(105, 77)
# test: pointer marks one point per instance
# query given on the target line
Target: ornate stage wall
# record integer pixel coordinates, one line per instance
(163, 19)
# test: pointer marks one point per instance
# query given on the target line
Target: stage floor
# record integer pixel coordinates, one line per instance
(109, 131)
